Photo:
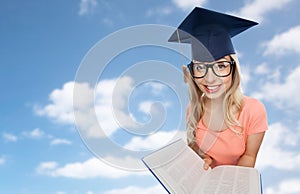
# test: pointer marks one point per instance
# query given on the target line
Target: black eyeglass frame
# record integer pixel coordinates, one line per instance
(210, 65)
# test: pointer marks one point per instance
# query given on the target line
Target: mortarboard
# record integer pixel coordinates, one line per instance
(209, 33)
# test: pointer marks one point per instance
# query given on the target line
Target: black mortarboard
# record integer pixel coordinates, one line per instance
(209, 33)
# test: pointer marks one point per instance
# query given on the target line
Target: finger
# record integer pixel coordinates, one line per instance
(207, 163)
(205, 166)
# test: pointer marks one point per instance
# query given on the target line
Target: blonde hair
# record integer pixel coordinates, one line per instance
(232, 102)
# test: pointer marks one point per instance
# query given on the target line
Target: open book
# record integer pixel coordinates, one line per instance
(180, 170)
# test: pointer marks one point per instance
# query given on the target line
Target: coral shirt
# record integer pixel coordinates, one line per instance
(226, 147)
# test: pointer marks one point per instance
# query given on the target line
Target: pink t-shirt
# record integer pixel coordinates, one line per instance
(226, 147)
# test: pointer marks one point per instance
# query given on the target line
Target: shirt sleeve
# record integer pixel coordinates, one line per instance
(258, 121)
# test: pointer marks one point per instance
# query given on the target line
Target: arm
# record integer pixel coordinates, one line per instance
(253, 144)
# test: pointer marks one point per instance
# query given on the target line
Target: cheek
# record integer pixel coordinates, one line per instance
(227, 82)
(199, 84)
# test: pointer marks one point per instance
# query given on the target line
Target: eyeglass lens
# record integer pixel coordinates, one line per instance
(220, 69)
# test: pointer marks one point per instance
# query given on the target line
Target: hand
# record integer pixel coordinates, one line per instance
(207, 162)
(206, 158)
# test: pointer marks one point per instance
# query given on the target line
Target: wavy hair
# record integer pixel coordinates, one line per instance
(232, 102)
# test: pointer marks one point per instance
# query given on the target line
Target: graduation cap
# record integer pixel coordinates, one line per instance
(210, 33)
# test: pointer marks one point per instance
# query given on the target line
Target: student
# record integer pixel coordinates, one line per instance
(223, 125)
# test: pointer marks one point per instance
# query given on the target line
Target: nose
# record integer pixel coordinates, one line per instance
(210, 76)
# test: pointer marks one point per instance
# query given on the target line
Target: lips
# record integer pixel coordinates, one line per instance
(212, 89)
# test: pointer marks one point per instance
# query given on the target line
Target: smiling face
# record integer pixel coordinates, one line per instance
(213, 86)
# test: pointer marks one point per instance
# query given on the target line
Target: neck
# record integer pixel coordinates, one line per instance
(215, 103)
(214, 114)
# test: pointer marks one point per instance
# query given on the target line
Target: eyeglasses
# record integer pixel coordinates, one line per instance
(220, 68)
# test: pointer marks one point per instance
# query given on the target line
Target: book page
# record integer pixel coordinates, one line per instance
(177, 167)
(180, 170)
(187, 171)
(232, 179)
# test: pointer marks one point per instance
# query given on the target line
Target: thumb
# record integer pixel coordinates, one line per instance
(207, 163)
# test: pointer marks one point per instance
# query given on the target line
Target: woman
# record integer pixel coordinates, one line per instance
(231, 126)
(223, 125)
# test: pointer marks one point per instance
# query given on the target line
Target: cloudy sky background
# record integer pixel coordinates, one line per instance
(46, 149)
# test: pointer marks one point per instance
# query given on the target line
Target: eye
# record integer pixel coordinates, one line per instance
(222, 65)
(199, 67)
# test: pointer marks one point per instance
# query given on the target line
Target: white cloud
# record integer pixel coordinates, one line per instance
(156, 87)
(137, 190)
(91, 168)
(87, 6)
(46, 167)
(289, 186)
(2, 160)
(147, 105)
(188, 4)
(155, 140)
(59, 141)
(108, 101)
(284, 95)
(9, 137)
(273, 152)
(158, 11)
(257, 9)
(108, 21)
(111, 104)
(284, 43)
(262, 69)
(245, 76)
(271, 74)
(61, 107)
(101, 111)
(35, 133)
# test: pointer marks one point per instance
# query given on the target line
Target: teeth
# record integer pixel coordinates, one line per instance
(212, 87)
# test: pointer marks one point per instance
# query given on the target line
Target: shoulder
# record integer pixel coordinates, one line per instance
(253, 115)
(253, 109)
(252, 104)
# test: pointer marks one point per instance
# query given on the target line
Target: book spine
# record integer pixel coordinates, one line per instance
(156, 177)
(261, 184)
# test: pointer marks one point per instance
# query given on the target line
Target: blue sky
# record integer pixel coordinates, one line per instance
(137, 102)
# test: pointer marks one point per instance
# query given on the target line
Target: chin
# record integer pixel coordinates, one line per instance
(216, 95)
